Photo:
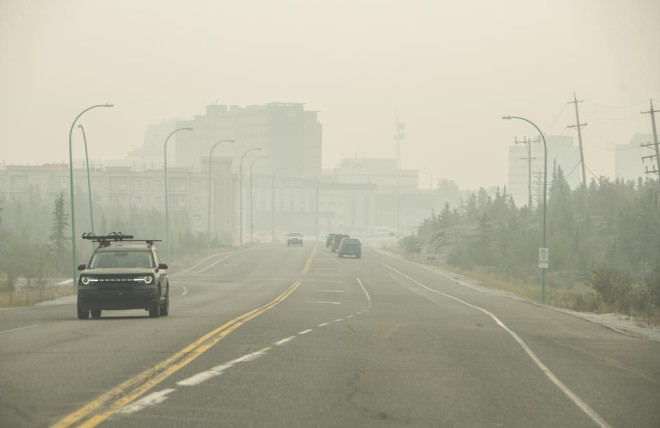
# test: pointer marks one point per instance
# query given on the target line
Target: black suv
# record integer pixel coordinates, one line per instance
(350, 247)
(123, 273)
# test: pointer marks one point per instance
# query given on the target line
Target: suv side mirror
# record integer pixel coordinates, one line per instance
(81, 267)
(162, 265)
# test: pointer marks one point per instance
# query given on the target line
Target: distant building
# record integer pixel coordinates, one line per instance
(123, 189)
(561, 152)
(628, 163)
(287, 133)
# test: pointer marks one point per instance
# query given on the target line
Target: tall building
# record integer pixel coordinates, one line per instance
(287, 133)
(561, 153)
(628, 163)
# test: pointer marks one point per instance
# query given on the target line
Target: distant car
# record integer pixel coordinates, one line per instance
(350, 247)
(294, 239)
(123, 273)
(329, 239)
(337, 240)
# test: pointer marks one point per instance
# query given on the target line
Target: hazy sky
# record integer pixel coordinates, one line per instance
(448, 70)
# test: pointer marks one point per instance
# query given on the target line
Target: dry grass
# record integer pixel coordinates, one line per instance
(31, 296)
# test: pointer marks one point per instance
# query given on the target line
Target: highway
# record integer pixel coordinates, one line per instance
(296, 337)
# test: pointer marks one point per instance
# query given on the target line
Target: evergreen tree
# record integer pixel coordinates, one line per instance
(60, 224)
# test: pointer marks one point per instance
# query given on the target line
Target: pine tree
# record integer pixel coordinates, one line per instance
(60, 224)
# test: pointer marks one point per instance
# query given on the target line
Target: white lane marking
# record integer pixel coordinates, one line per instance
(326, 268)
(185, 289)
(150, 400)
(305, 331)
(339, 319)
(350, 316)
(19, 328)
(285, 340)
(323, 324)
(333, 291)
(328, 303)
(365, 290)
(217, 370)
(595, 417)
(65, 282)
(221, 260)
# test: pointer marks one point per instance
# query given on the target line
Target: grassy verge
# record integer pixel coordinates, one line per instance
(31, 296)
(576, 296)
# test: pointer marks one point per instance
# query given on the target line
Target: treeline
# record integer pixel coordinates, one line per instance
(606, 236)
(35, 241)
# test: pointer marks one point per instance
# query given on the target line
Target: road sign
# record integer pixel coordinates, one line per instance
(544, 258)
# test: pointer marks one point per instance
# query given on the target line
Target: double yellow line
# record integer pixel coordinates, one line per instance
(117, 398)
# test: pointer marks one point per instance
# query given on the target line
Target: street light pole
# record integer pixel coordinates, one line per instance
(73, 211)
(545, 188)
(273, 202)
(251, 209)
(240, 177)
(211, 154)
(167, 212)
(89, 183)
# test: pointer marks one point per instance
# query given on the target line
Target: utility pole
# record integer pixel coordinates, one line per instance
(655, 143)
(539, 184)
(529, 158)
(657, 152)
(579, 129)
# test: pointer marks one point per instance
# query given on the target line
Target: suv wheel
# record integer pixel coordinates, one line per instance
(154, 312)
(83, 314)
(165, 307)
(96, 313)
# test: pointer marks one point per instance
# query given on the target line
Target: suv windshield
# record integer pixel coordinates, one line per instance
(122, 259)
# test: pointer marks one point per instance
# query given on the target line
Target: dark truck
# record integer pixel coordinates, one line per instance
(350, 247)
(123, 273)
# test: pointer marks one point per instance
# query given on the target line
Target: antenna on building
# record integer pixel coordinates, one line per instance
(398, 137)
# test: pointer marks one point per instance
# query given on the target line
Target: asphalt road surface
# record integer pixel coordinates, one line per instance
(277, 336)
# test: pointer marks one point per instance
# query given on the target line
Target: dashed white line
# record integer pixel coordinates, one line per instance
(339, 319)
(305, 331)
(333, 291)
(350, 316)
(217, 370)
(365, 290)
(326, 302)
(595, 417)
(150, 400)
(285, 340)
(19, 328)
(323, 324)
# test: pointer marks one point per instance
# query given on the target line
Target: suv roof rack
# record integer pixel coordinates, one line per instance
(105, 240)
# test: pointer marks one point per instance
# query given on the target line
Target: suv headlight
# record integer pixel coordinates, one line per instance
(86, 280)
(148, 279)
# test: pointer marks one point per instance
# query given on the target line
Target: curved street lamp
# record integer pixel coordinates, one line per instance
(211, 154)
(167, 212)
(545, 187)
(240, 178)
(273, 201)
(251, 208)
(74, 260)
(89, 183)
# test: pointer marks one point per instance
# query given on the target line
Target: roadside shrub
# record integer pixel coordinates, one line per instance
(411, 243)
(611, 283)
(618, 289)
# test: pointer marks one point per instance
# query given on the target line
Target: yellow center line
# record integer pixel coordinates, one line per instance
(132, 389)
